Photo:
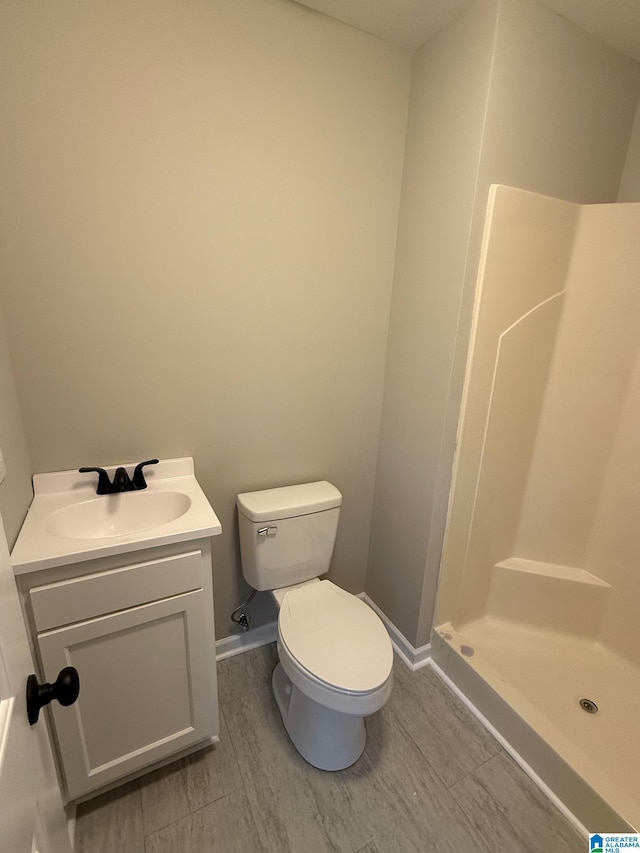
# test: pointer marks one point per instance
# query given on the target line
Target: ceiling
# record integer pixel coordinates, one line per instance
(409, 23)
(413, 22)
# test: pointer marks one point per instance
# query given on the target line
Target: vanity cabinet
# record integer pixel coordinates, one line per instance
(139, 629)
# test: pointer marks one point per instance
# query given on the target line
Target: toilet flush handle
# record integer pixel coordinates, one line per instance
(267, 531)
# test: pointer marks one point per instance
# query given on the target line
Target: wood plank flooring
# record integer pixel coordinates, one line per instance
(431, 779)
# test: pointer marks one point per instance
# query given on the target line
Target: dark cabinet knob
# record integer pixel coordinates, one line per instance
(65, 689)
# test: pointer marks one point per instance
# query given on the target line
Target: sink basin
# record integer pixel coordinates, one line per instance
(68, 522)
(117, 515)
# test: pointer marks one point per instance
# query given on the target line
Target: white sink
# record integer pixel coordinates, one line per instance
(68, 523)
(117, 515)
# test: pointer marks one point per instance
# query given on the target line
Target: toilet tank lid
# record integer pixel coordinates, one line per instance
(289, 501)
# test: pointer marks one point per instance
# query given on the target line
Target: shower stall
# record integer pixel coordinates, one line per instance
(538, 614)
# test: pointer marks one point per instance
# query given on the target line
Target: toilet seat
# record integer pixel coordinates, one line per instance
(335, 648)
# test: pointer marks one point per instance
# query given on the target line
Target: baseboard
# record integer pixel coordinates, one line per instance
(236, 644)
(252, 639)
(411, 657)
(570, 816)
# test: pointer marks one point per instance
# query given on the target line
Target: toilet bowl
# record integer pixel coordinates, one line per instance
(335, 670)
(335, 656)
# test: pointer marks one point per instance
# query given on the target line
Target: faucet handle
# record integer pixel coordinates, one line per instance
(104, 483)
(139, 481)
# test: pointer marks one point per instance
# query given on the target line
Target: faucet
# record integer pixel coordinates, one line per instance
(121, 480)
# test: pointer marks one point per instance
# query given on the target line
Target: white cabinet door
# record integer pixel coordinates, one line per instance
(147, 688)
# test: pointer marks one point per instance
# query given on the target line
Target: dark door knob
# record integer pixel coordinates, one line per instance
(65, 690)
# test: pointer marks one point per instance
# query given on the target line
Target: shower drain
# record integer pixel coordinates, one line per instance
(589, 706)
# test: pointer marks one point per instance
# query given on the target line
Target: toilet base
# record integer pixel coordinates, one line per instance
(327, 739)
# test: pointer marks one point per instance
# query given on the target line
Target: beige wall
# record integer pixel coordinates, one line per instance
(200, 205)
(16, 492)
(630, 182)
(561, 109)
(558, 119)
(448, 99)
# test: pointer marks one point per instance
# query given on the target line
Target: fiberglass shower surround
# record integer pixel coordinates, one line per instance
(536, 611)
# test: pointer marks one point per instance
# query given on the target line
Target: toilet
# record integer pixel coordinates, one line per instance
(335, 654)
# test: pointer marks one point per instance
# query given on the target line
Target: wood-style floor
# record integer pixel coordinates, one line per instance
(431, 779)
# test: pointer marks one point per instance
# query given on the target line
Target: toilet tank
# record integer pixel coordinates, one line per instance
(287, 534)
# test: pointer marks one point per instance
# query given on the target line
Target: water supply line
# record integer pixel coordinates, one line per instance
(243, 619)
